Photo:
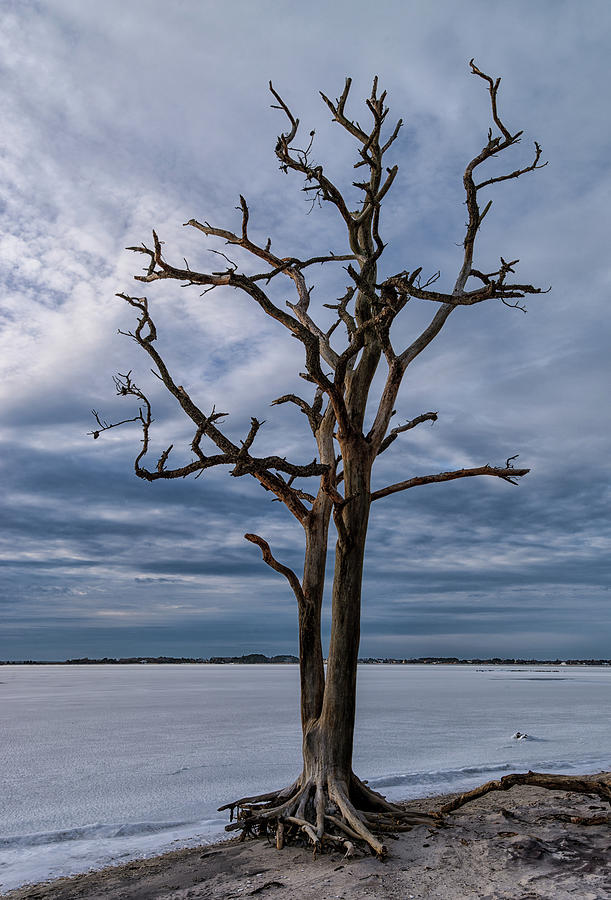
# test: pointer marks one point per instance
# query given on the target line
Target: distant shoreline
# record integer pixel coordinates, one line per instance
(288, 659)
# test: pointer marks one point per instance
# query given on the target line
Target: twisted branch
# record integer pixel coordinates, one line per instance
(265, 469)
(271, 561)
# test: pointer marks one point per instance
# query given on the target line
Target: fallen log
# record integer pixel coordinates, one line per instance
(599, 785)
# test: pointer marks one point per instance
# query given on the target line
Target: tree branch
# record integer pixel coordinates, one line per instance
(313, 414)
(392, 435)
(239, 457)
(494, 146)
(298, 160)
(400, 288)
(337, 109)
(279, 263)
(507, 473)
(493, 87)
(269, 558)
(406, 286)
(516, 174)
(315, 341)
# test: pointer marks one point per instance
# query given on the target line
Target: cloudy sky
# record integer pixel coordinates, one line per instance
(119, 117)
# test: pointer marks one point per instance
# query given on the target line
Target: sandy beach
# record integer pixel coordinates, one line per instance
(517, 845)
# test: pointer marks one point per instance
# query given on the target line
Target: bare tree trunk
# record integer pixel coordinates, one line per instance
(338, 712)
(328, 803)
(328, 789)
(316, 527)
(311, 665)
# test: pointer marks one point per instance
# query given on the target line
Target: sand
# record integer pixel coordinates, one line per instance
(516, 845)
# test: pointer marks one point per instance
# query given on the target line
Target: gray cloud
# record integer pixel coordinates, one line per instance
(128, 117)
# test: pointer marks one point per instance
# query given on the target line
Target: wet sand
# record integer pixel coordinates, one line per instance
(516, 845)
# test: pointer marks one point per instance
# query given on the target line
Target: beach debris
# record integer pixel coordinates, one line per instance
(598, 785)
(280, 835)
(266, 886)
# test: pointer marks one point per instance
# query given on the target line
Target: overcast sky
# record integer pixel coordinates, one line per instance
(119, 117)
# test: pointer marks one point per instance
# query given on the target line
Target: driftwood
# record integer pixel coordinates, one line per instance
(599, 785)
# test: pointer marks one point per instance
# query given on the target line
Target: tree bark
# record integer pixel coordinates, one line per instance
(316, 527)
(311, 665)
(338, 711)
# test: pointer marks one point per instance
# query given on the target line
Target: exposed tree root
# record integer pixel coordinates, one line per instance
(323, 812)
(351, 816)
(375, 804)
(599, 785)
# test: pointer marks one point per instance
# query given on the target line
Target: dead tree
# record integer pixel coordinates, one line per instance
(328, 803)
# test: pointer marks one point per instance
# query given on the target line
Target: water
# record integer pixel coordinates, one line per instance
(99, 764)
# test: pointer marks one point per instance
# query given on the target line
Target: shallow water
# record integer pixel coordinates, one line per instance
(101, 763)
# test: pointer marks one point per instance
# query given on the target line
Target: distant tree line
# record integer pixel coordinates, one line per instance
(287, 658)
